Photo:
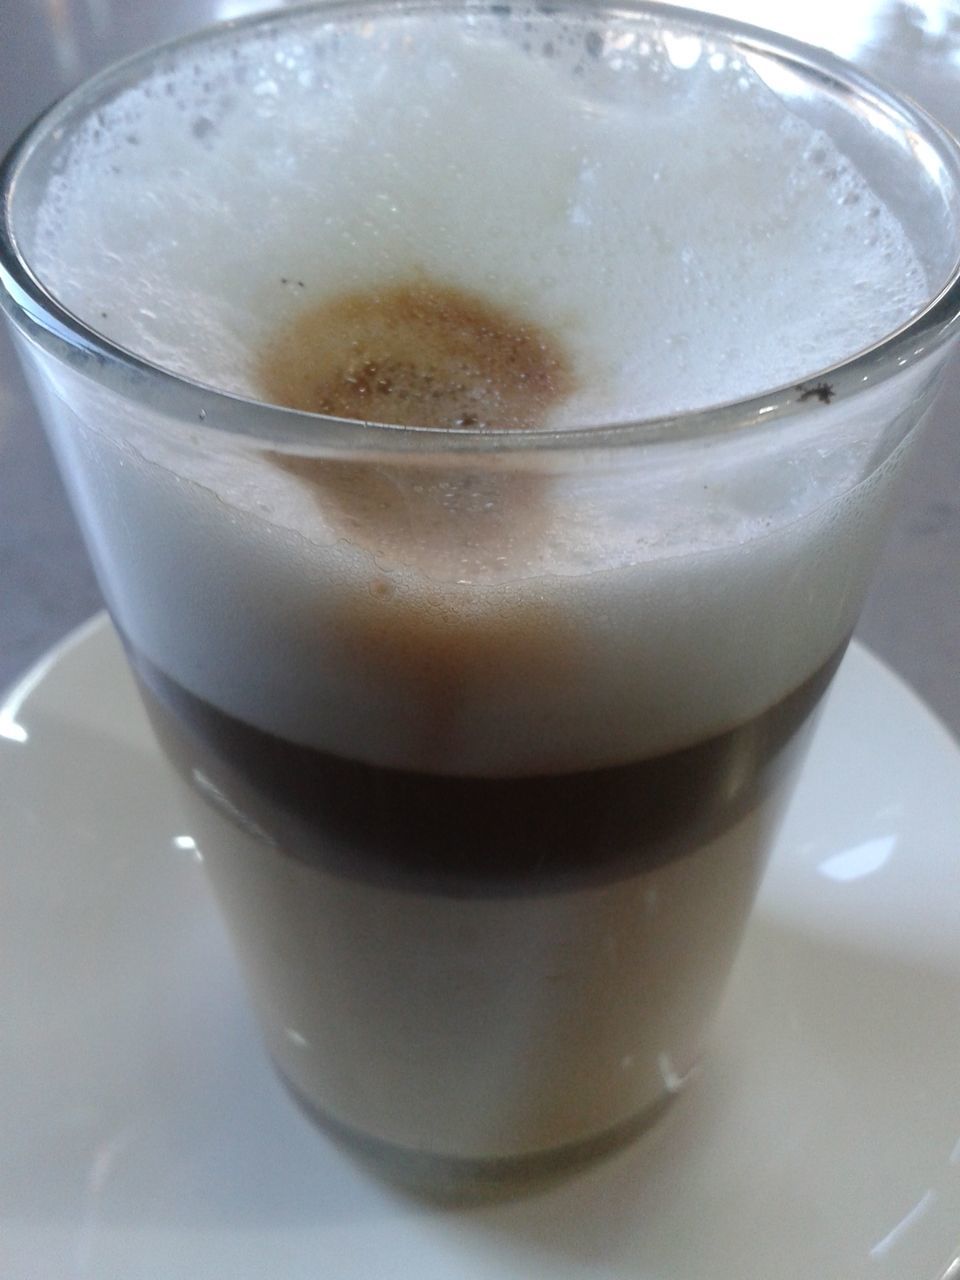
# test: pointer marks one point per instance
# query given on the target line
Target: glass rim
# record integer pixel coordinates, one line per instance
(222, 412)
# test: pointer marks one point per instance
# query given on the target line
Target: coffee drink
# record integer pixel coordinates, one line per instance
(485, 707)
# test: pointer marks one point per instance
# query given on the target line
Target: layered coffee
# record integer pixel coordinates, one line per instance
(485, 725)
(599, 910)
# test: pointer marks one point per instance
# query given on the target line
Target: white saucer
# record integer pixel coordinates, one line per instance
(143, 1135)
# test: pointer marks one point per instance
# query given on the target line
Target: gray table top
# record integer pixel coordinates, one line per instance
(912, 619)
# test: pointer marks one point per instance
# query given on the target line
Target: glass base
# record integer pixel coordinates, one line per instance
(450, 1179)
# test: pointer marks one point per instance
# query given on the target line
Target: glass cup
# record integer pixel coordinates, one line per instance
(484, 736)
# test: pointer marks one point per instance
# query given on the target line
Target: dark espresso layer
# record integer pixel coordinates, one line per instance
(464, 834)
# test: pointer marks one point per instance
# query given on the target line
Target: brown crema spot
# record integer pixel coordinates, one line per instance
(449, 660)
(418, 354)
(447, 522)
(429, 355)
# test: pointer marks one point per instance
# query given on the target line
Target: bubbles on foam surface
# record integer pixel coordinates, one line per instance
(681, 264)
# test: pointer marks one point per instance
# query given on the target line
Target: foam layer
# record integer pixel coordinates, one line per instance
(642, 195)
(448, 656)
(643, 198)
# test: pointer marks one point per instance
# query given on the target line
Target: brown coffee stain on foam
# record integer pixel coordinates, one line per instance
(446, 522)
(454, 655)
(416, 354)
(429, 355)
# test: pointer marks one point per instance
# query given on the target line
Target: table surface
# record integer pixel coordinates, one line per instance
(911, 619)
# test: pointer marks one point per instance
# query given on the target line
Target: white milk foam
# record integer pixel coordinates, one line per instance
(650, 201)
(647, 199)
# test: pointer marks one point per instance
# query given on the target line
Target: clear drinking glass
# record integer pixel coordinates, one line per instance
(484, 735)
